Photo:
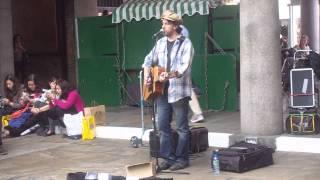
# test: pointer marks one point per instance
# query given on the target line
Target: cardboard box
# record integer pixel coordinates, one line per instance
(99, 113)
(141, 170)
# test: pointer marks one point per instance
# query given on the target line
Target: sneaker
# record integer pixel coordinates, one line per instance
(3, 151)
(197, 118)
(178, 165)
(164, 166)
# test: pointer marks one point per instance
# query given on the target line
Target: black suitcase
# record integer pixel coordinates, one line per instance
(244, 156)
(198, 139)
(82, 176)
(76, 176)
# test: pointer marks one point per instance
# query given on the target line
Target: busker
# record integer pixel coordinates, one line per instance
(173, 52)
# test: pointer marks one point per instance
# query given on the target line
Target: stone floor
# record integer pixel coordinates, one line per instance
(50, 158)
(40, 158)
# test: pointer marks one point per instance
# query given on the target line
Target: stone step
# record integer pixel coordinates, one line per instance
(289, 143)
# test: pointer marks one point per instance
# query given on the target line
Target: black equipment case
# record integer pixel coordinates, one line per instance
(154, 142)
(198, 141)
(244, 156)
(302, 88)
(303, 122)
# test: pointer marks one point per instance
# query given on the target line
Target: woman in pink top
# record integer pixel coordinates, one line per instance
(70, 102)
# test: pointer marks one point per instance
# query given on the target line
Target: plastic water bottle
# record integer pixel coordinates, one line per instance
(215, 162)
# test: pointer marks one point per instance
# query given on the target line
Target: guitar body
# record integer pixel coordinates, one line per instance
(156, 87)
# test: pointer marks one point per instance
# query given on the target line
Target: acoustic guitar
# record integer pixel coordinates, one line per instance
(156, 87)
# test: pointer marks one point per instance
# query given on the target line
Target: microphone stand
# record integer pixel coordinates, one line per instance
(154, 105)
(155, 131)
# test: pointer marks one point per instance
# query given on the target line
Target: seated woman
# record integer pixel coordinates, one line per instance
(11, 102)
(70, 102)
(32, 88)
(52, 84)
(39, 109)
(13, 96)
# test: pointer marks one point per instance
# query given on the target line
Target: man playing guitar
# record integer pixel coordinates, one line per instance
(174, 53)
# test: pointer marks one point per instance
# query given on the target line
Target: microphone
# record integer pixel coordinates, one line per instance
(160, 32)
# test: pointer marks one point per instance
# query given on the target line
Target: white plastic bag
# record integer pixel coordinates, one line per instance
(73, 123)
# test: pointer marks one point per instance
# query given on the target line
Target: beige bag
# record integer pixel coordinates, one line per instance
(99, 113)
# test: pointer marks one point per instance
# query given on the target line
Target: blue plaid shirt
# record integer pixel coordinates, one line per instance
(180, 61)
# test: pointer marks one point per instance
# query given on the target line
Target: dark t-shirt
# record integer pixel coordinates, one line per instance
(169, 48)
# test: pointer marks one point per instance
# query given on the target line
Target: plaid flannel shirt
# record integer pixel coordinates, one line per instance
(181, 62)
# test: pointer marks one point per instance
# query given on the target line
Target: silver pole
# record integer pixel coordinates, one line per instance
(290, 30)
(141, 103)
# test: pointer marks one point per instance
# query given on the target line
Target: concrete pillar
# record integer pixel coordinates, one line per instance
(260, 80)
(310, 22)
(84, 8)
(74, 9)
(6, 44)
(70, 41)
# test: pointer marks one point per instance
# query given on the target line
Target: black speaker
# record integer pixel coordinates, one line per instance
(154, 143)
(302, 88)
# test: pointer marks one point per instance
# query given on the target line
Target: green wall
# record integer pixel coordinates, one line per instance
(226, 28)
(99, 61)
(138, 41)
(97, 37)
(98, 81)
(118, 51)
(222, 82)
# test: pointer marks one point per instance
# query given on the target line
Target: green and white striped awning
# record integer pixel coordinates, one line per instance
(147, 9)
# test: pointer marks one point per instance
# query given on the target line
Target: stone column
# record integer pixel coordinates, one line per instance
(6, 44)
(310, 22)
(260, 80)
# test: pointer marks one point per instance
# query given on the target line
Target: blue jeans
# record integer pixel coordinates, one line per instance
(165, 111)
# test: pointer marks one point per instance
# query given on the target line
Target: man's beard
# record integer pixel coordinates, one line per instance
(169, 34)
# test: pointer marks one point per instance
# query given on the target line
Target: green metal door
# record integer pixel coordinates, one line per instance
(222, 82)
(98, 82)
(98, 61)
(226, 28)
(97, 37)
